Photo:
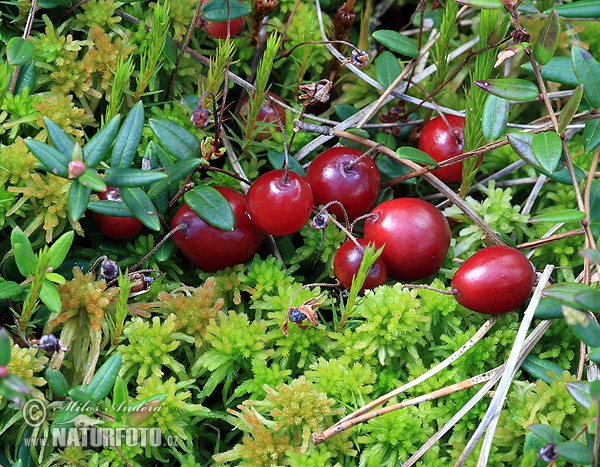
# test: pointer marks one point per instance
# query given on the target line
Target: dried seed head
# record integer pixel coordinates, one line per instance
(316, 92)
(359, 58)
(264, 7)
(200, 117)
(549, 452)
(343, 19)
(520, 35)
(49, 343)
(109, 270)
(319, 222)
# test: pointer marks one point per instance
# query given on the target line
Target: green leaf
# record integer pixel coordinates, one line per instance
(558, 215)
(482, 4)
(575, 451)
(51, 159)
(98, 147)
(595, 390)
(580, 391)
(387, 68)
(110, 208)
(23, 251)
(559, 70)
(542, 369)
(122, 177)
(55, 277)
(578, 9)
(211, 206)
(591, 254)
(145, 409)
(61, 140)
(19, 51)
(5, 347)
(57, 382)
(128, 138)
(570, 109)
(277, 160)
(495, 117)
(120, 399)
(548, 308)
(216, 10)
(10, 289)
(90, 178)
(83, 399)
(587, 70)
(595, 354)
(104, 379)
(545, 433)
(415, 155)
(522, 143)
(396, 42)
(141, 206)
(547, 40)
(591, 135)
(50, 297)
(513, 89)
(583, 326)
(176, 139)
(60, 248)
(547, 150)
(566, 292)
(77, 200)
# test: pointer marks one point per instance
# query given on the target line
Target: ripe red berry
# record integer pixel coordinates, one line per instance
(210, 248)
(267, 113)
(116, 227)
(440, 143)
(346, 263)
(334, 175)
(279, 202)
(416, 236)
(495, 280)
(218, 30)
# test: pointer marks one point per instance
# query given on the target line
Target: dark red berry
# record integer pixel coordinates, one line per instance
(279, 202)
(334, 175)
(268, 113)
(441, 143)
(112, 226)
(416, 236)
(495, 280)
(346, 263)
(210, 248)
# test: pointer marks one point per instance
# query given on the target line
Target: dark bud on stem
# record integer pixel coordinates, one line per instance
(263, 7)
(200, 117)
(343, 20)
(549, 452)
(109, 270)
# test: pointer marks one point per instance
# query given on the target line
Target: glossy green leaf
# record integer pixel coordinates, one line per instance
(141, 206)
(566, 292)
(98, 147)
(547, 150)
(396, 42)
(580, 391)
(5, 347)
(387, 68)
(50, 297)
(416, 155)
(559, 70)
(19, 51)
(587, 70)
(482, 4)
(591, 254)
(216, 10)
(578, 9)
(588, 300)
(57, 382)
(128, 138)
(545, 433)
(570, 109)
(51, 159)
(595, 390)
(120, 399)
(527, 7)
(542, 369)
(90, 179)
(10, 289)
(61, 140)
(583, 326)
(104, 379)
(558, 215)
(77, 200)
(211, 206)
(575, 451)
(122, 177)
(521, 143)
(23, 251)
(60, 248)
(495, 117)
(547, 40)
(83, 399)
(591, 135)
(110, 208)
(512, 89)
(277, 160)
(56, 278)
(595, 354)
(548, 308)
(176, 139)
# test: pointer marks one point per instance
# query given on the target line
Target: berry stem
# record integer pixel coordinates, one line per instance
(373, 150)
(177, 228)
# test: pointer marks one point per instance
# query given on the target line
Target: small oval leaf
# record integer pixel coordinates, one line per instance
(566, 292)
(211, 206)
(60, 248)
(416, 155)
(578, 9)
(559, 70)
(277, 161)
(104, 379)
(558, 215)
(51, 159)
(591, 135)
(50, 297)
(521, 143)
(216, 10)
(570, 109)
(548, 308)
(61, 141)
(495, 117)
(77, 200)
(5, 347)
(141, 206)
(175, 138)
(576, 452)
(19, 51)
(9, 289)
(482, 4)
(122, 177)
(580, 391)
(98, 147)
(174, 173)
(110, 208)
(547, 150)
(591, 254)
(540, 368)
(396, 42)
(513, 89)
(387, 68)
(57, 382)
(545, 433)
(128, 138)
(587, 70)
(547, 40)
(583, 326)
(90, 178)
